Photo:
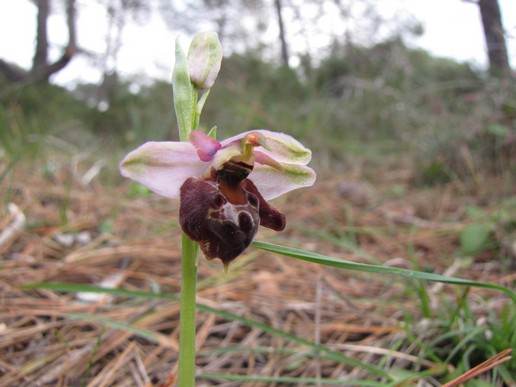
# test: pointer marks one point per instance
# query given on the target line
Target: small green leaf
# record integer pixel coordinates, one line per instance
(106, 227)
(497, 130)
(475, 238)
(474, 212)
(136, 190)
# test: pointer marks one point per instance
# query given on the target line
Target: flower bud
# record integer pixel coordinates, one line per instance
(204, 59)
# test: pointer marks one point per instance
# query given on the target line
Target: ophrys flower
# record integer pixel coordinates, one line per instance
(223, 186)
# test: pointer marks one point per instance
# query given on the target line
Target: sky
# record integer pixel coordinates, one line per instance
(452, 29)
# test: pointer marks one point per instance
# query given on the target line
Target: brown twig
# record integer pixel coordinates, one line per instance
(496, 360)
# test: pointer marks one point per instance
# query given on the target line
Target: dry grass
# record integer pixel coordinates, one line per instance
(90, 234)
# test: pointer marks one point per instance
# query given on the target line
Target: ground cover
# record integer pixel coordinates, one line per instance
(271, 320)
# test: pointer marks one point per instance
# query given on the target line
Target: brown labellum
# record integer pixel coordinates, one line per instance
(223, 213)
(222, 229)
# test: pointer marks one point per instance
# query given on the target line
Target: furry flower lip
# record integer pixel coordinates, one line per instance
(223, 186)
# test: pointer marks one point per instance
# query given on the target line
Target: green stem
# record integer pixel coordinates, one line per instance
(187, 316)
(185, 103)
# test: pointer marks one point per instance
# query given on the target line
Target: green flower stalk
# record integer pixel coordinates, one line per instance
(224, 187)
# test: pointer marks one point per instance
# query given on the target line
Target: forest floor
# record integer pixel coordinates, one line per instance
(67, 228)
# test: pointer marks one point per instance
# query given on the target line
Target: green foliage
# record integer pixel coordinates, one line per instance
(476, 238)
(251, 94)
(35, 119)
(391, 91)
(393, 66)
(433, 173)
(30, 114)
(462, 338)
(132, 116)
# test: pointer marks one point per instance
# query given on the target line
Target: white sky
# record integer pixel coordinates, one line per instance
(452, 29)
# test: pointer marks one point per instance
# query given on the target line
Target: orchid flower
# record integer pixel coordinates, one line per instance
(223, 186)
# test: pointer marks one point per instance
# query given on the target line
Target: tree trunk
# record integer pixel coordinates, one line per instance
(494, 36)
(41, 69)
(40, 60)
(70, 49)
(283, 39)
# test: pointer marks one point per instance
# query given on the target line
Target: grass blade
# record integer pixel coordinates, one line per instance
(290, 380)
(143, 333)
(363, 267)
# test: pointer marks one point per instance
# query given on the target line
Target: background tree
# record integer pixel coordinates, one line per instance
(282, 34)
(41, 68)
(494, 36)
(118, 13)
(237, 22)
